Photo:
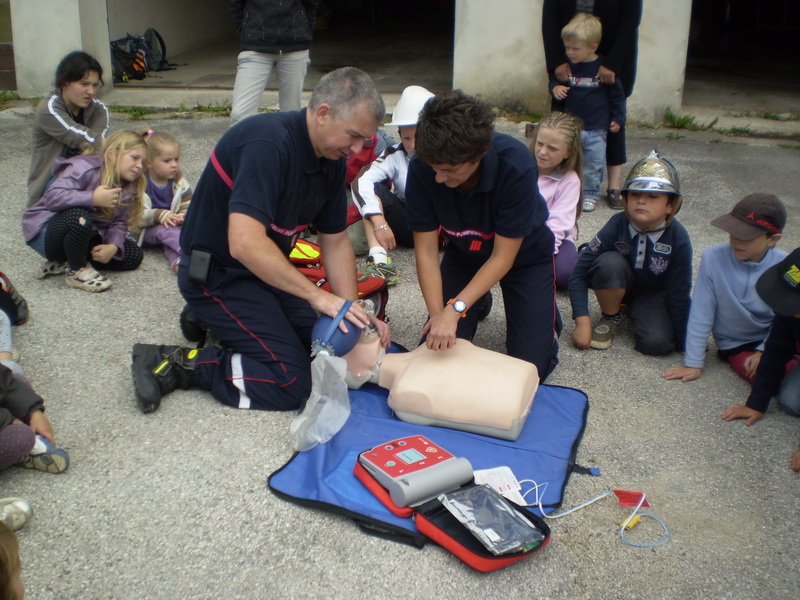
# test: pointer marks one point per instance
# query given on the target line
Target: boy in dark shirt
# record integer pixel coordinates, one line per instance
(779, 287)
(601, 106)
(642, 257)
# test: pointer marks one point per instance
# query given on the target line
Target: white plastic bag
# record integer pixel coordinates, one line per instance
(328, 406)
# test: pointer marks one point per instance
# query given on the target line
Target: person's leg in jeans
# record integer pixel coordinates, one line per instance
(291, 70)
(252, 74)
(789, 394)
(594, 163)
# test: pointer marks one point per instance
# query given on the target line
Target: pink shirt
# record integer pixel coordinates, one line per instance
(562, 193)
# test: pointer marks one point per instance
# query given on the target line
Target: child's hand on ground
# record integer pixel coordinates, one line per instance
(560, 92)
(41, 425)
(106, 197)
(582, 334)
(751, 363)
(682, 373)
(172, 220)
(614, 128)
(742, 412)
(103, 253)
(795, 465)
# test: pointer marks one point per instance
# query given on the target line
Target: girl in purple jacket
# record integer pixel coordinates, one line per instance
(81, 222)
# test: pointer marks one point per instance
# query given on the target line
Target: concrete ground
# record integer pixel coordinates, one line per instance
(174, 504)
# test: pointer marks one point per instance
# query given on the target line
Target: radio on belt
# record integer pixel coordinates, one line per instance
(414, 469)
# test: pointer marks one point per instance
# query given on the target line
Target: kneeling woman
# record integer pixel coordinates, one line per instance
(480, 188)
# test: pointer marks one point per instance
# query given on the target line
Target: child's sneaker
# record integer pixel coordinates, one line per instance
(15, 512)
(50, 269)
(603, 334)
(12, 302)
(386, 270)
(88, 279)
(46, 456)
(589, 204)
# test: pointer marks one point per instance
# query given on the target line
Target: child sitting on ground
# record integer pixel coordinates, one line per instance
(642, 258)
(81, 223)
(11, 586)
(26, 436)
(725, 303)
(559, 156)
(600, 106)
(167, 197)
(779, 287)
(382, 208)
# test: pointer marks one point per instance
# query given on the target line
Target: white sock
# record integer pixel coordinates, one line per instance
(378, 254)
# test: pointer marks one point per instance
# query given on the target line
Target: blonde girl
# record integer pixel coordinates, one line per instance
(81, 222)
(11, 587)
(166, 199)
(559, 156)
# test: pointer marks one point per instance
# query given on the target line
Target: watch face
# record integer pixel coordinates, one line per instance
(460, 306)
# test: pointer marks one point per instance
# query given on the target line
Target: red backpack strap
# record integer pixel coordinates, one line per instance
(220, 171)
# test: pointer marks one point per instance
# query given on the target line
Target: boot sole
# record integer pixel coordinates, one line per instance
(147, 390)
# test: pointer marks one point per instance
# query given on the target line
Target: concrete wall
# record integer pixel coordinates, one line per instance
(46, 30)
(184, 24)
(499, 54)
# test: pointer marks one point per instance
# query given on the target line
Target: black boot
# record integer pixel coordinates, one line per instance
(192, 327)
(484, 305)
(159, 370)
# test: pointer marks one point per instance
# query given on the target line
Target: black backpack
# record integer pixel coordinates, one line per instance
(157, 57)
(129, 58)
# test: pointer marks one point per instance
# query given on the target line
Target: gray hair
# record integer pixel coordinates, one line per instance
(346, 89)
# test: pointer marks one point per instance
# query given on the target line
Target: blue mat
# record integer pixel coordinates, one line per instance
(544, 452)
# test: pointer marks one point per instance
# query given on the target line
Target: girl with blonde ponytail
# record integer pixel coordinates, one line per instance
(80, 224)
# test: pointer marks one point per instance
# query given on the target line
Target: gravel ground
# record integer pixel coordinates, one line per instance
(174, 504)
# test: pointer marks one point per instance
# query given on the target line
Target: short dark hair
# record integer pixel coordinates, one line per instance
(74, 66)
(344, 90)
(454, 128)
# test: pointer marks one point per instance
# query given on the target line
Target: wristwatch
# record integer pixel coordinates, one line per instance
(459, 306)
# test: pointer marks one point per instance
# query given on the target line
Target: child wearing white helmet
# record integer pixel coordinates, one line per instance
(642, 258)
(379, 189)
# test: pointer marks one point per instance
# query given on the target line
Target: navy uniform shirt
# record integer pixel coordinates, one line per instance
(277, 179)
(660, 261)
(505, 202)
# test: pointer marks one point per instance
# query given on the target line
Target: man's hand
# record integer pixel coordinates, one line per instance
(606, 75)
(582, 334)
(751, 363)
(683, 373)
(614, 127)
(382, 327)
(560, 92)
(103, 253)
(562, 72)
(742, 412)
(41, 425)
(106, 197)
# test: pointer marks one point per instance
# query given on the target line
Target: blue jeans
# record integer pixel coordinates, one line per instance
(594, 161)
(789, 394)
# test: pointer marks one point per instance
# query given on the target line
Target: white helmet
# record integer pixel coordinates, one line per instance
(407, 111)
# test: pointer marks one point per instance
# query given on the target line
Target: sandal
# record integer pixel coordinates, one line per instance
(50, 268)
(614, 199)
(89, 280)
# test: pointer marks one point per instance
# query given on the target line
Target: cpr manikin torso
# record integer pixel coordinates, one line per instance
(464, 387)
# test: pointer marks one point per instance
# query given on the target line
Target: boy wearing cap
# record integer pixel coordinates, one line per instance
(779, 287)
(382, 208)
(725, 303)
